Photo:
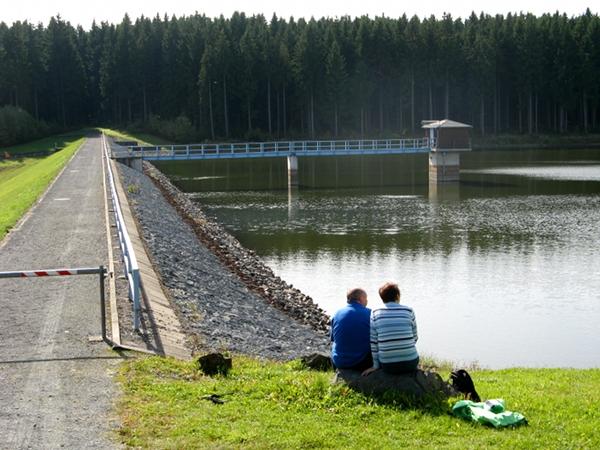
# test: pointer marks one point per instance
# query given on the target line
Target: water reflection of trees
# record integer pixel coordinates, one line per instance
(440, 242)
(318, 172)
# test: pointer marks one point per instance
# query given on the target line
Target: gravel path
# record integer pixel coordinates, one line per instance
(56, 387)
(214, 303)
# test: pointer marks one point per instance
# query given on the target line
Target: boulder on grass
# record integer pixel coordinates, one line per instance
(317, 361)
(416, 384)
(214, 363)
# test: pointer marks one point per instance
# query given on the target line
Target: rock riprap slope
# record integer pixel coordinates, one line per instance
(216, 283)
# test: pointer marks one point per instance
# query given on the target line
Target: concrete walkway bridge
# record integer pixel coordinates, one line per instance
(444, 163)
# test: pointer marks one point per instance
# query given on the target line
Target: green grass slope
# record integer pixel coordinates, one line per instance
(23, 180)
(276, 405)
(141, 138)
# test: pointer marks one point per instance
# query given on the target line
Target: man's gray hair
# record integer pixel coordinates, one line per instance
(354, 295)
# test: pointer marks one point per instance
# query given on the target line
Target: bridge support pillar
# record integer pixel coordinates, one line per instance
(443, 192)
(134, 163)
(292, 202)
(444, 167)
(292, 165)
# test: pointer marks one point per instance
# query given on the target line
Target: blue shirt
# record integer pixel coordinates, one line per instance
(350, 335)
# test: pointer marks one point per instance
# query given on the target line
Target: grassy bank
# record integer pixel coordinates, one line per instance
(141, 138)
(23, 180)
(47, 144)
(276, 405)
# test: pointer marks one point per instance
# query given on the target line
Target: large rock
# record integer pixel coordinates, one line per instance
(214, 363)
(317, 361)
(417, 384)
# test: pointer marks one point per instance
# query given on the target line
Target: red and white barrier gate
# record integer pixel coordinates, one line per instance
(51, 273)
(100, 271)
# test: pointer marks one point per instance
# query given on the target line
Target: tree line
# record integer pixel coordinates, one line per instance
(196, 77)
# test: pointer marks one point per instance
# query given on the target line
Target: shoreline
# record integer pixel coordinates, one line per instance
(228, 298)
(535, 146)
(243, 262)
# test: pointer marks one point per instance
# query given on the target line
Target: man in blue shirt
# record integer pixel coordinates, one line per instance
(350, 333)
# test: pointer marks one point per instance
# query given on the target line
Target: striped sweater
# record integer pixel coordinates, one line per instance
(393, 334)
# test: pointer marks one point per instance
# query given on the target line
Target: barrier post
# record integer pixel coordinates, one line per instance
(136, 299)
(102, 276)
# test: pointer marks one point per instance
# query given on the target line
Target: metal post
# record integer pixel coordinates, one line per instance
(136, 299)
(102, 275)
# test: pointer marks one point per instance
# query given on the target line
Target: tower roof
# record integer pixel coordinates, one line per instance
(446, 123)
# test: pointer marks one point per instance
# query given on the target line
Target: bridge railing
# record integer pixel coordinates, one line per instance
(277, 148)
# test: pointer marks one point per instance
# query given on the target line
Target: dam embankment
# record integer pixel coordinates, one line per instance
(226, 296)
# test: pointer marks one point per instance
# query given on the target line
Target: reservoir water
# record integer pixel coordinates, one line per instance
(502, 270)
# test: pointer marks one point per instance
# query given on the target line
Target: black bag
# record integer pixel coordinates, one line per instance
(463, 383)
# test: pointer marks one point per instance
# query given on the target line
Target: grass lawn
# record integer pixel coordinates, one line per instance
(141, 138)
(281, 405)
(23, 180)
(45, 144)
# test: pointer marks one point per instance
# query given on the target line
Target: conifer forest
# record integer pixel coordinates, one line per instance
(197, 78)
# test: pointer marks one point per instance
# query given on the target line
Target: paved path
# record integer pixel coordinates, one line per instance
(56, 387)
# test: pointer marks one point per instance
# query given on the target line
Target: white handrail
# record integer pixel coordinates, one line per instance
(132, 270)
(281, 148)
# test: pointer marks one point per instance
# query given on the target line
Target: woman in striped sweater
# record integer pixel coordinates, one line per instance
(393, 334)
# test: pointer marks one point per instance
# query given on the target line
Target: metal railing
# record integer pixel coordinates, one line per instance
(132, 270)
(276, 148)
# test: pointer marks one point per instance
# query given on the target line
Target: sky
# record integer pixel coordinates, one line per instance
(83, 12)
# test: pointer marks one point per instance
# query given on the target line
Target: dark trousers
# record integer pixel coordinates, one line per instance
(401, 367)
(364, 364)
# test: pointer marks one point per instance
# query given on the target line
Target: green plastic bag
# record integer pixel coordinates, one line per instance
(490, 412)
